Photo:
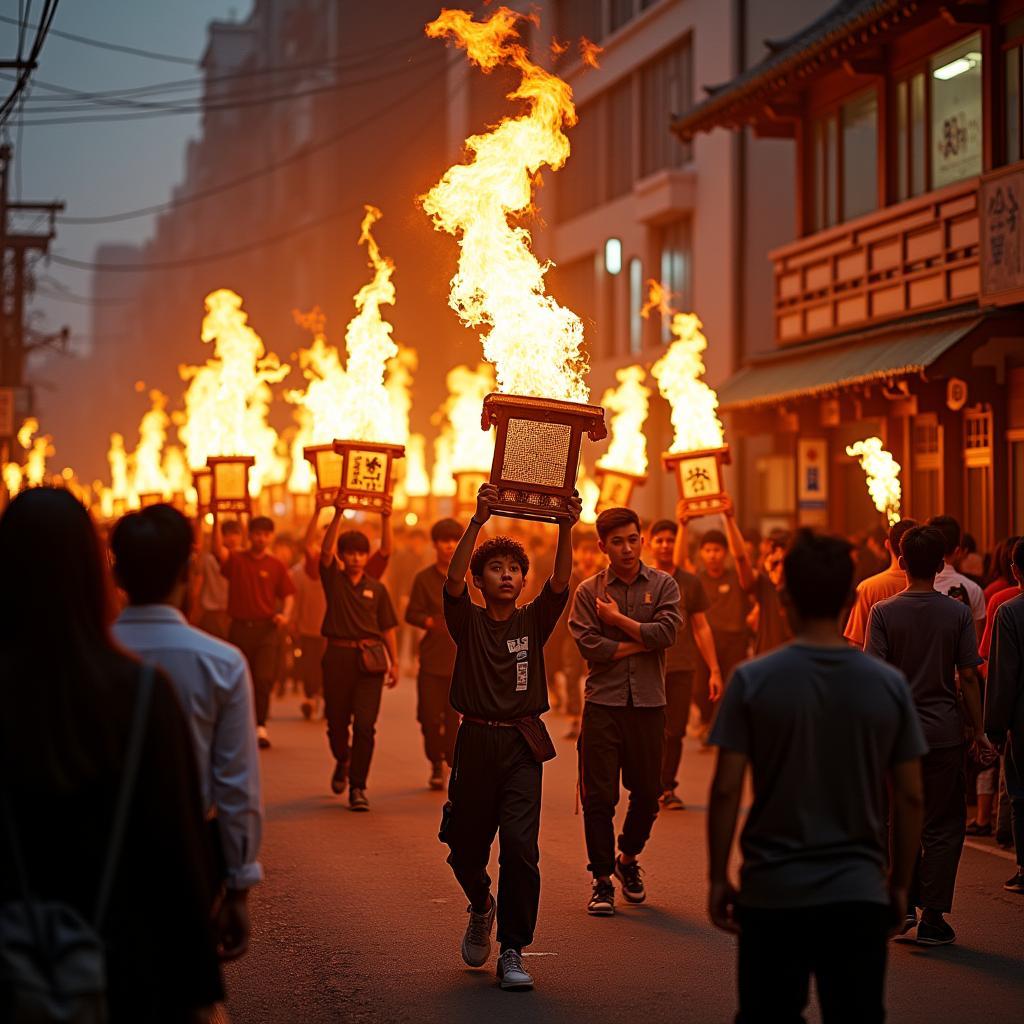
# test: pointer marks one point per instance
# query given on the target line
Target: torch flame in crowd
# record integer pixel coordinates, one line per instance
(534, 343)
(117, 459)
(39, 449)
(590, 494)
(146, 464)
(417, 481)
(628, 404)
(883, 475)
(679, 374)
(228, 398)
(461, 445)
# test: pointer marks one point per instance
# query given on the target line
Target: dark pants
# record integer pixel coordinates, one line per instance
(731, 649)
(495, 787)
(614, 741)
(679, 691)
(309, 667)
(942, 835)
(842, 944)
(1013, 767)
(217, 624)
(257, 640)
(439, 721)
(351, 701)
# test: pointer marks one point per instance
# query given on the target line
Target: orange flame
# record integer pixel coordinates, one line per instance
(589, 53)
(147, 471)
(228, 398)
(679, 374)
(417, 481)
(117, 459)
(461, 445)
(590, 494)
(628, 405)
(883, 475)
(534, 343)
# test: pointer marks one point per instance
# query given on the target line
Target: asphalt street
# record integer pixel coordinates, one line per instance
(359, 918)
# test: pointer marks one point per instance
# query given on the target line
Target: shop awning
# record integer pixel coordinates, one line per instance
(812, 370)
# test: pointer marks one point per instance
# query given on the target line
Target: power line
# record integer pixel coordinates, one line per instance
(101, 44)
(28, 66)
(263, 171)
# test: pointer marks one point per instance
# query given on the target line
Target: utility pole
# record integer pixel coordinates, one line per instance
(15, 247)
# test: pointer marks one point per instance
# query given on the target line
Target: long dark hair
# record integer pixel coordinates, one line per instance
(58, 662)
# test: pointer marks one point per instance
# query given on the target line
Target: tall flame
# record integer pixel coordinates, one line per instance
(14, 477)
(679, 374)
(590, 494)
(442, 482)
(628, 404)
(883, 475)
(149, 477)
(398, 385)
(417, 481)
(228, 398)
(176, 472)
(40, 448)
(117, 458)
(473, 448)
(534, 343)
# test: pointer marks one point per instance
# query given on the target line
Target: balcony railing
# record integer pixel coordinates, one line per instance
(919, 255)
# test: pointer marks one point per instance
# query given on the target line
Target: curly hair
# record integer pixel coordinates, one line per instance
(497, 547)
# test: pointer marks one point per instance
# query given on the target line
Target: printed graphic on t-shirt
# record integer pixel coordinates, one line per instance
(522, 644)
(522, 676)
(521, 649)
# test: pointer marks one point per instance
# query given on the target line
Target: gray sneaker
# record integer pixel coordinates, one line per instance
(476, 943)
(511, 972)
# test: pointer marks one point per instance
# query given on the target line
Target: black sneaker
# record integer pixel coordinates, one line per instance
(339, 779)
(929, 934)
(602, 899)
(436, 780)
(357, 800)
(1004, 839)
(670, 801)
(974, 829)
(1015, 884)
(632, 883)
(908, 925)
(306, 707)
(511, 972)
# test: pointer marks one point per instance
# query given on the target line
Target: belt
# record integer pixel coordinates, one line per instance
(494, 725)
(253, 622)
(351, 644)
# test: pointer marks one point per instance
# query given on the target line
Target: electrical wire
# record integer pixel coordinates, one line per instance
(42, 30)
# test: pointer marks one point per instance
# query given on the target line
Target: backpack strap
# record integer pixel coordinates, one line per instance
(125, 794)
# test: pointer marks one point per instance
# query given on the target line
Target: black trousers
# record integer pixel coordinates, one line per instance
(439, 721)
(495, 787)
(351, 701)
(257, 639)
(731, 649)
(309, 668)
(844, 945)
(942, 835)
(616, 741)
(679, 691)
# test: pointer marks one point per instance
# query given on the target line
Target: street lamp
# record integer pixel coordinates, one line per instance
(537, 452)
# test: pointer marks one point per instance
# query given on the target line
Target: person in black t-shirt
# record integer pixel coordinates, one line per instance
(500, 687)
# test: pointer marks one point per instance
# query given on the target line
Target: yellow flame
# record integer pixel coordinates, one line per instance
(35, 463)
(679, 374)
(228, 398)
(14, 477)
(117, 459)
(590, 494)
(473, 448)
(146, 461)
(417, 481)
(628, 404)
(883, 475)
(400, 370)
(534, 343)
(28, 429)
(442, 482)
(177, 473)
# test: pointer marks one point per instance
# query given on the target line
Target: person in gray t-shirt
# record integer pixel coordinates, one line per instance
(821, 726)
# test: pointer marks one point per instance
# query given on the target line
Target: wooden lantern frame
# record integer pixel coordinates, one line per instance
(148, 498)
(610, 480)
(467, 484)
(219, 503)
(709, 461)
(202, 481)
(351, 495)
(530, 500)
(322, 457)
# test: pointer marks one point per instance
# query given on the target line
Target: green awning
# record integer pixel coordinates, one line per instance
(811, 370)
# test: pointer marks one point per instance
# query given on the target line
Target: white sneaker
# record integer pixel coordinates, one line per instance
(511, 972)
(476, 943)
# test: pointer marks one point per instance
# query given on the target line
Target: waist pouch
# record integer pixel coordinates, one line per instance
(537, 739)
(374, 657)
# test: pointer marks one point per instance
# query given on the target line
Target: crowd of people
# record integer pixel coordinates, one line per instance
(895, 666)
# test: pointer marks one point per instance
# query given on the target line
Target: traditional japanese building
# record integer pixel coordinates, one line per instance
(897, 308)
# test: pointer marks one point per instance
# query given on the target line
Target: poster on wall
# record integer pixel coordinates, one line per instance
(1000, 200)
(956, 91)
(812, 480)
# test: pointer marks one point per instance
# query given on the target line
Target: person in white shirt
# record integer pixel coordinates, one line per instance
(952, 583)
(151, 550)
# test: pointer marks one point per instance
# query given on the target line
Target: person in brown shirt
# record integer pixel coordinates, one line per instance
(257, 581)
(439, 721)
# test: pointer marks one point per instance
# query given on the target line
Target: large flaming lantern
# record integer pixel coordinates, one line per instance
(698, 450)
(540, 411)
(624, 465)
(229, 489)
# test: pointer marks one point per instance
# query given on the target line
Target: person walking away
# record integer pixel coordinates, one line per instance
(361, 656)
(623, 620)
(257, 581)
(499, 685)
(308, 613)
(70, 698)
(210, 597)
(929, 639)
(813, 896)
(151, 551)
(870, 591)
(952, 583)
(682, 657)
(439, 721)
(1004, 706)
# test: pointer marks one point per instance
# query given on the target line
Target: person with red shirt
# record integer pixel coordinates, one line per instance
(256, 582)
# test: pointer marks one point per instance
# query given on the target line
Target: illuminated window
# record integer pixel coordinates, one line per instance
(636, 303)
